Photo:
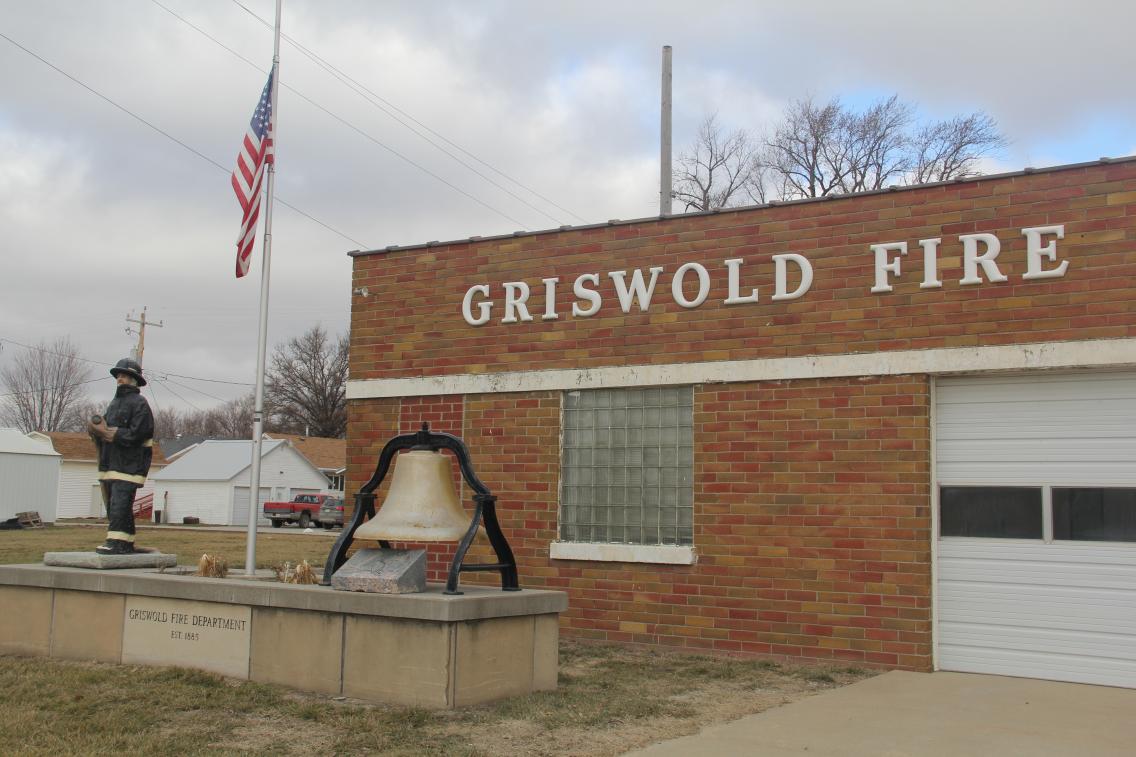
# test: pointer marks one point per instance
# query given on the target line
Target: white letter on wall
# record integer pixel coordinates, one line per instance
(971, 259)
(638, 290)
(484, 307)
(583, 293)
(516, 295)
(734, 266)
(781, 276)
(1035, 252)
(930, 263)
(703, 285)
(550, 300)
(883, 267)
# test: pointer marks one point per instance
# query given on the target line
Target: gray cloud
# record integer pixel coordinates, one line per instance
(100, 215)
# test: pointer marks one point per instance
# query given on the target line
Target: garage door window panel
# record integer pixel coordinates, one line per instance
(1094, 514)
(992, 512)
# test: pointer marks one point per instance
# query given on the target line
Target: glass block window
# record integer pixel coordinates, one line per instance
(627, 463)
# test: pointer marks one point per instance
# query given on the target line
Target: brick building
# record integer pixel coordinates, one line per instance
(895, 428)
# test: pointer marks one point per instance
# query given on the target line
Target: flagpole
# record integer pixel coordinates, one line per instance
(262, 331)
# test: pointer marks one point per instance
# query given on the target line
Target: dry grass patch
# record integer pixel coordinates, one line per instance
(610, 700)
(28, 545)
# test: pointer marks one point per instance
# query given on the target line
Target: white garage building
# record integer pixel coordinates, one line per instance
(29, 475)
(211, 481)
(1036, 555)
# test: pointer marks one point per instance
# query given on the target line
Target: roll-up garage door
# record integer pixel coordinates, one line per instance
(1037, 526)
(241, 505)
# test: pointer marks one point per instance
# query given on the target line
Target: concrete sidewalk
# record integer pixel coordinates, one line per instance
(899, 714)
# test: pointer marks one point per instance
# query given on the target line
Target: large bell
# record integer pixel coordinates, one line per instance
(422, 505)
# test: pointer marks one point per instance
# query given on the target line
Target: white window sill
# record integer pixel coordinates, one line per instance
(663, 554)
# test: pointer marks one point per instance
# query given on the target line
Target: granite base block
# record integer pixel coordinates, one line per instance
(383, 571)
(95, 561)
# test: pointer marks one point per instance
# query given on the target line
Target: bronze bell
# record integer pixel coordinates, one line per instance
(422, 505)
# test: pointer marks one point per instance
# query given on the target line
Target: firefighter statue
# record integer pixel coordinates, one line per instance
(124, 437)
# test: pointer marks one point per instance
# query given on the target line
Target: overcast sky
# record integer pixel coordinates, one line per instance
(101, 215)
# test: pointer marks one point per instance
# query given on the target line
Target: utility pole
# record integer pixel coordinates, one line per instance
(142, 324)
(665, 186)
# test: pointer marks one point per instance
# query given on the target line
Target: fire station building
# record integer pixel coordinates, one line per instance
(895, 428)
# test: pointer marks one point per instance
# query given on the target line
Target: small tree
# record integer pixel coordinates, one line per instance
(718, 170)
(951, 149)
(306, 384)
(43, 386)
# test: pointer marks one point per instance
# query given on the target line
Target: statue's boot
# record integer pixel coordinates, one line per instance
(115, 547)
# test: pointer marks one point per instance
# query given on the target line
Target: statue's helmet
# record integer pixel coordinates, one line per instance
(130, 368)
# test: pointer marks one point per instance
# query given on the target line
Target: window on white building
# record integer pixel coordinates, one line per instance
(627, 466)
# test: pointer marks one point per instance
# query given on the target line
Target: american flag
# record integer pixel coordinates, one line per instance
(255, 152)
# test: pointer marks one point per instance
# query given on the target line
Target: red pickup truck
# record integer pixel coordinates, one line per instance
(304, 509)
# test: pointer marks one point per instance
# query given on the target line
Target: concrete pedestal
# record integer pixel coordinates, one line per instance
(426, 650)
(94, 561)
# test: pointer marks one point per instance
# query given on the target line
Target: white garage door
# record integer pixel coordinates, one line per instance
(1037, 521)
(241, 505)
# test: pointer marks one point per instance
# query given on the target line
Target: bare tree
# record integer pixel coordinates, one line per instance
(306, 384)
(168, 422)
(234, 418)
(230, 420)
(43, 384)
(80, 412)
(951, 149)
(718, 170)
(818, 150)
(807, 155)
(878, 145)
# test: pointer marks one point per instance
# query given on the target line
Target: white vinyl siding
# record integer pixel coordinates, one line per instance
(1037, 607)
(76, 480)
(209, 501)
(30, 484)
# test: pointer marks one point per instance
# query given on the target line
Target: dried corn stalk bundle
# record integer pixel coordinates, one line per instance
(302, 573)
(211, 566)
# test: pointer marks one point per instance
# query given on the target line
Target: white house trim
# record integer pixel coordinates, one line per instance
(1039, 355)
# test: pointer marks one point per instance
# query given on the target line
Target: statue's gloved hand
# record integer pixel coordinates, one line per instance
(101, 430)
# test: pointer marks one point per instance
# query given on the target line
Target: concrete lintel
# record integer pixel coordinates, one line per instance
(476, 604)
(1099, 353)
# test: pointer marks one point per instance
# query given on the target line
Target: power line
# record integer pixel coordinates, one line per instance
(40, 389)
(169, 136)
(355, 86)
(104, 364)
(166, 378)
(165, 386)
(363, 133)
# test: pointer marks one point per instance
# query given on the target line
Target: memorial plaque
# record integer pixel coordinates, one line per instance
(203, 635)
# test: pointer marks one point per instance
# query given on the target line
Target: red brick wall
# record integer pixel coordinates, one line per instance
(811, 497)
(411, 324)
(811, 520)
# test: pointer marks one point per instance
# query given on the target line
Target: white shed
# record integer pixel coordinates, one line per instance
(211, 481)
(29, 475)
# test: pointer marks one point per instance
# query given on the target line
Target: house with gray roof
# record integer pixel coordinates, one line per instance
(211, 481)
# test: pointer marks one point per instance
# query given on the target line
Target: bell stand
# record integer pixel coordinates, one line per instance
(484, 511)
